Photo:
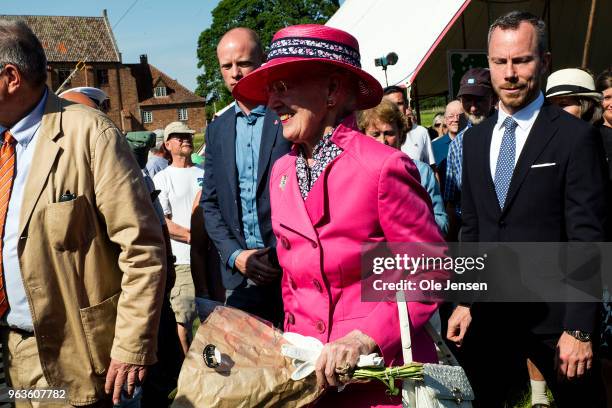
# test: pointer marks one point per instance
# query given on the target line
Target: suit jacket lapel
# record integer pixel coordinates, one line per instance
(296, 217)
(228, 147)
(45, 152)
(486, 161)
(541, 132)
(270, 132)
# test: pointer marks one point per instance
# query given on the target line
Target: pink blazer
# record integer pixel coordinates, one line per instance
(369, 193)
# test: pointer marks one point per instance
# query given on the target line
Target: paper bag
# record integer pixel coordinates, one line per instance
(252, 372)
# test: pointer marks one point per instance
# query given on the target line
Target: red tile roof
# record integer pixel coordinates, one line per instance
(72, 39)
(147, 77)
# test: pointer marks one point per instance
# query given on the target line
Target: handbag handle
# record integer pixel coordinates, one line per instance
(448, 357)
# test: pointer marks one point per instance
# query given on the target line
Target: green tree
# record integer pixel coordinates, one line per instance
(265, 17)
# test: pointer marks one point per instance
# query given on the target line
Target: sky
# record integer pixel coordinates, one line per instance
(167, 31)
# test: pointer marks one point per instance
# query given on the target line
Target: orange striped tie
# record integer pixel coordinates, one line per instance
(7, 176)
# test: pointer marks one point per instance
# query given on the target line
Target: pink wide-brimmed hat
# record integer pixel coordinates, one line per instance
(295, 49)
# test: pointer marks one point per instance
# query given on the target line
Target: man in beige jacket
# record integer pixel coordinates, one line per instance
(82, 250)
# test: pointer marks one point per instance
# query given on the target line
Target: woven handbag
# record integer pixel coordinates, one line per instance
(444, 385)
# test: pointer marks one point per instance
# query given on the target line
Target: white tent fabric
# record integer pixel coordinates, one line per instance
(402, 26)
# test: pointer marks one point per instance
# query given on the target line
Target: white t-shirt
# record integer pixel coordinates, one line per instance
(179, 187)
(418, 145)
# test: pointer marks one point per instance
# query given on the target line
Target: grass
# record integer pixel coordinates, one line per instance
(428, 115)
(198, 141)
(524, 401)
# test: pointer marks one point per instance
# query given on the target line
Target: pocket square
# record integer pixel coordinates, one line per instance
(535, 166)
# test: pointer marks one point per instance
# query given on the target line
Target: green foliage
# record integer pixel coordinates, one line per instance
(265, 17)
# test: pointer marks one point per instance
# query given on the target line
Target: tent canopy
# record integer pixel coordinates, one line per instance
(409, 30)
(422, 32)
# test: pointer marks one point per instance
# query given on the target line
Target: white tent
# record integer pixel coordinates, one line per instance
(422, 32)
(411, 29)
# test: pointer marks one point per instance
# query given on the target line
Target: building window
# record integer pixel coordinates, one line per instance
(147, 117)
(160, 91)
(182, 114)
(102, 76)
(62, 74)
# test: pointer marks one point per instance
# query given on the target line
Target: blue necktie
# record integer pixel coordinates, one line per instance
(505, 161)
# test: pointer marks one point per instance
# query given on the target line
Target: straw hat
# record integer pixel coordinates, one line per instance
(571, 82)
(295, 49)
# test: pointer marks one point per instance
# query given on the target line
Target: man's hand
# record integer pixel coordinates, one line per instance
(255, 264)
(574, 357)
(342, 354)
(120, 373)
(458, 324)
(241, 260)
(178, 232)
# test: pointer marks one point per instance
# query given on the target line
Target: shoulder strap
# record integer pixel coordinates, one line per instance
(404, 321)
(447, 357)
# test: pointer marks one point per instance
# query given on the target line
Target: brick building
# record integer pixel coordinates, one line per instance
(141, 96)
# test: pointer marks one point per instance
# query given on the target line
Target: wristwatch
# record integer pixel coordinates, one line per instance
(579, 335)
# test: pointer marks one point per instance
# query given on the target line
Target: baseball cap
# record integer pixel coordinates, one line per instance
(176, 128)
(476, 81)
(140, 143)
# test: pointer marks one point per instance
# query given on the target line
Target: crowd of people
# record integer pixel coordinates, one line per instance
(111, 242)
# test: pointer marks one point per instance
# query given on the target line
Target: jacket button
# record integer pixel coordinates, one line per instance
(502, 224)
(317, 285)
(320, 326)
(285, 242)
(314, 245)
(290, 318)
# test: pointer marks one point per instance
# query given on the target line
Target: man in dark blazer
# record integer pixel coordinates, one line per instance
(531, 173)
(241, 147)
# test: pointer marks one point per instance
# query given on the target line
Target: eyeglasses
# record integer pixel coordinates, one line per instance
(278, 88)
(455, 116)
(181, 138)
(437, 125)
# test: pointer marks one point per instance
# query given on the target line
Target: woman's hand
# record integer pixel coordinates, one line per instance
(342, 354)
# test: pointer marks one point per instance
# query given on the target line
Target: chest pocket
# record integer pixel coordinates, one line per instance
(69, 224)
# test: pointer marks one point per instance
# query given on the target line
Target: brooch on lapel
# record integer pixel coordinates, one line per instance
(283, 182)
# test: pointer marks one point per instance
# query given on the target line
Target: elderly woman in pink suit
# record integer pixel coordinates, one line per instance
(336, 190)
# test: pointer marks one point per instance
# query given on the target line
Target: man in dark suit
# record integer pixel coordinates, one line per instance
(241, 147)
(531, 173)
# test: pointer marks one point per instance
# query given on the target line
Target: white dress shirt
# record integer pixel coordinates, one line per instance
(418, 145)
(24, 132)
(525, 118)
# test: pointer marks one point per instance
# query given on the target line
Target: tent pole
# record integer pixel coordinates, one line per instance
(416, 101)
(587, 40)
(463, 30)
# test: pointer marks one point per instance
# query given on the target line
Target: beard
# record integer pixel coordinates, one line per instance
(520, 99)
(475, 119)
(185, 151)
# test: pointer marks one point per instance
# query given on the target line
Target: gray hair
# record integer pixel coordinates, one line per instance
(513, 19)
(20, 47)
(590, 109)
